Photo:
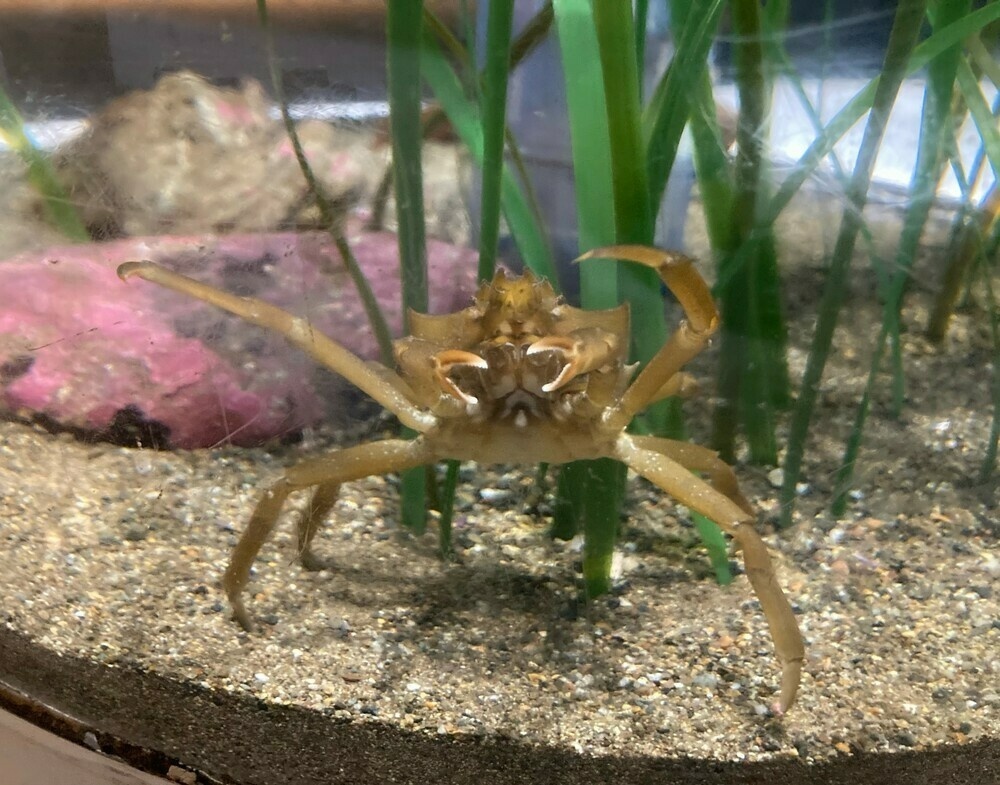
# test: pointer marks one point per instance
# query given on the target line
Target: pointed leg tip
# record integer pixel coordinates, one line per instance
(240, 614)
(244, 621)
(128, 269)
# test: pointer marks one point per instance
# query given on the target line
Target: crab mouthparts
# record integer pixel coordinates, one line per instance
(522, 405)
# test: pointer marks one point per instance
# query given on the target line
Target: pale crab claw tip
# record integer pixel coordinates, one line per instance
(564, 376)
(463, 396)
(453, 358)
(468, 400)
(537, 348)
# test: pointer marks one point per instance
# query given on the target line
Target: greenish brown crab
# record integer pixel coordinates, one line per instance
(518, 377)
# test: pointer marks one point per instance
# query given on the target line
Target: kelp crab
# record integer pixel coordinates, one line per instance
(517, 377)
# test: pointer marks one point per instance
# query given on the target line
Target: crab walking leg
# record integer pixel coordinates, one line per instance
(385, 386)
(683, 279)
(697, 494)
(322, 501)
(681, 384)
(699, 459)
(327, 472)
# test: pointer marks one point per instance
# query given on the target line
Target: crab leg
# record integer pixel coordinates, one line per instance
(320, 503)
(697, 494)
(682, 385)
(698, 459)
(385, 386)
(682, 278)
(326, 472)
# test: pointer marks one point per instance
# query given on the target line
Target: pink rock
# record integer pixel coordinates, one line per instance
(85, 350)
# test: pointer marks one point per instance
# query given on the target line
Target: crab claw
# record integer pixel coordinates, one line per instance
(581, 351)
(569, 349)
(445, 361)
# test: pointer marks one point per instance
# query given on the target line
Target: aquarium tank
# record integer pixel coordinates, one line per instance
(495, 391)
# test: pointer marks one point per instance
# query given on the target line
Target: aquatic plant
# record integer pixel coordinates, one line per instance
(57, 207)
(624, 149)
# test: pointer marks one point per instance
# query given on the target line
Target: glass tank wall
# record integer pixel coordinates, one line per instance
(511, 525)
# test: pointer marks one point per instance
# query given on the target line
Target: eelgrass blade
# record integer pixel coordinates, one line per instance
(992, 249)
(404, 26)
(983, 59)
(641, 20)
(580, 483)
(533, 33)
(447, 509)
(599, 511)
(716, 186)
(413, 497)
(662, 125)
(960, 252)
(58, 208)
(935, 130)
(963, 249)
(711, 164)
(633, 209)
(404, 19)
(969, 244)
(715, 543)
(862, 102)
(327, 214)
(693, 27)
(753, 377)
(823, 146)
(773, 20)
(373, 311)
(521, 209)
(524, 224)
(494, 113)
(902, 40)
(567, 510)
(854, 110)
(634, 214)
(616, 46)
(591, 148)
(778, 57)
(981, 114)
